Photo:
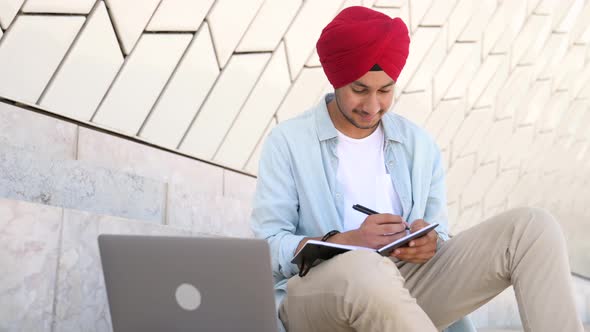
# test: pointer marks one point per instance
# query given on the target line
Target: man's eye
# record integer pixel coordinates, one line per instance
(359, 91)
(384, 91)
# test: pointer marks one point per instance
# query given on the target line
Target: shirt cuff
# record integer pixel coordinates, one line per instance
(290, 244)
(442, 238)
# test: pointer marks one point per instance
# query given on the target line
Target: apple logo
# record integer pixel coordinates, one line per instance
(188, 297)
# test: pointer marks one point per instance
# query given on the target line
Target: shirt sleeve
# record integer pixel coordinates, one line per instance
(275, 213)
(436, 203)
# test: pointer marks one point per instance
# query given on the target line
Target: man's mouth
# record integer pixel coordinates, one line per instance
(367, 117)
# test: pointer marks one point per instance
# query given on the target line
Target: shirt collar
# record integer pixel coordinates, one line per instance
(326, 130)
(325, 126)
(392, 127)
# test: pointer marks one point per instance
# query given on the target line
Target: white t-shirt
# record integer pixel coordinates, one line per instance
(364, 178)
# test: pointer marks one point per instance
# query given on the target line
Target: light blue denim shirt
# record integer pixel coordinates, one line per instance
(298, 195)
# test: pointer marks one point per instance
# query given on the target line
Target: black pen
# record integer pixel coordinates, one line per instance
(368, 211)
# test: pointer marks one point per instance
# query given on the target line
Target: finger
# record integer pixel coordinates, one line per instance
(386, 218)
(414, 251)
(416, 260)
(424, 240)
(414, 228)
(406, 251)
(419, 242)
(430, 246)
(392, 228)
(387, 239)
(417, 225)
(387, 232)
(407, 258)
(422, 256)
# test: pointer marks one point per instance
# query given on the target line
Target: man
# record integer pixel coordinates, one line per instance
(348, 150)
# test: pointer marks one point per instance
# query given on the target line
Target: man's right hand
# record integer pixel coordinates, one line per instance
(378, 230)
(375, 232)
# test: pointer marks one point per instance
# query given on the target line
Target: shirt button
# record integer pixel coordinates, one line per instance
(390, 163)
(337, 195)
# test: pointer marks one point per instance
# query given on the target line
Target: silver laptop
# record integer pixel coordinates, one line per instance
(188, 284)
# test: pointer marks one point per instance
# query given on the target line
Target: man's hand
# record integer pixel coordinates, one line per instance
(421, 249)
(376, 231)
(379, 229)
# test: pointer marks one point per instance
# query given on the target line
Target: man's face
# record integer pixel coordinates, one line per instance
(364, 101)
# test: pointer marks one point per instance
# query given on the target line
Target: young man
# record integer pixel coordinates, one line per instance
(349, 150)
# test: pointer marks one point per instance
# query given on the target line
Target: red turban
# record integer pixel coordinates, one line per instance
(359, 38)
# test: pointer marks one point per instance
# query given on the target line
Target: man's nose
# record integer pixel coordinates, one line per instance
(372, 106)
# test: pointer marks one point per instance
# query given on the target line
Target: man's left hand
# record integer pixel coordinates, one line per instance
(421, 249)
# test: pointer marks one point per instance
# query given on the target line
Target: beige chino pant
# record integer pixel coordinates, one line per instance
(363, 291)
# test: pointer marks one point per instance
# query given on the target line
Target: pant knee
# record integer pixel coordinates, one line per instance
(540, 223)
(348, 286)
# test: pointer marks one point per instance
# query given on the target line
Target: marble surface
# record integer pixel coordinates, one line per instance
(574, 227)
(81, 302)
(582, 291)
(238, 185)
(77, 185)
(586, 328)
(203, 213)
(54, 271)
(113, 152)
(480, 317)
(29, 239)
(503, 310)
(36, 133)
(501, 313)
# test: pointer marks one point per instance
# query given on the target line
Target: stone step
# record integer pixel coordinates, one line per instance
(53, 274)
(84, 168)
(52, 138)
(586, 328)
(51, 268)
(502, 311)
(76, 184)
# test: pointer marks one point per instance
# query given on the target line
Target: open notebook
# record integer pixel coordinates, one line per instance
(314, 250)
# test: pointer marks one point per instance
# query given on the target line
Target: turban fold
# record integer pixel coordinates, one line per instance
(359, 38)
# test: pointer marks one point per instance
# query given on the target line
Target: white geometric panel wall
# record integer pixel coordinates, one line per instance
(503, 85)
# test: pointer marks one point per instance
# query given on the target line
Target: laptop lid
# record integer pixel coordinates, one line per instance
(157, 283)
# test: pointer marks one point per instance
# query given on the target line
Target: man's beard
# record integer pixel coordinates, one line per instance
(350, 119)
